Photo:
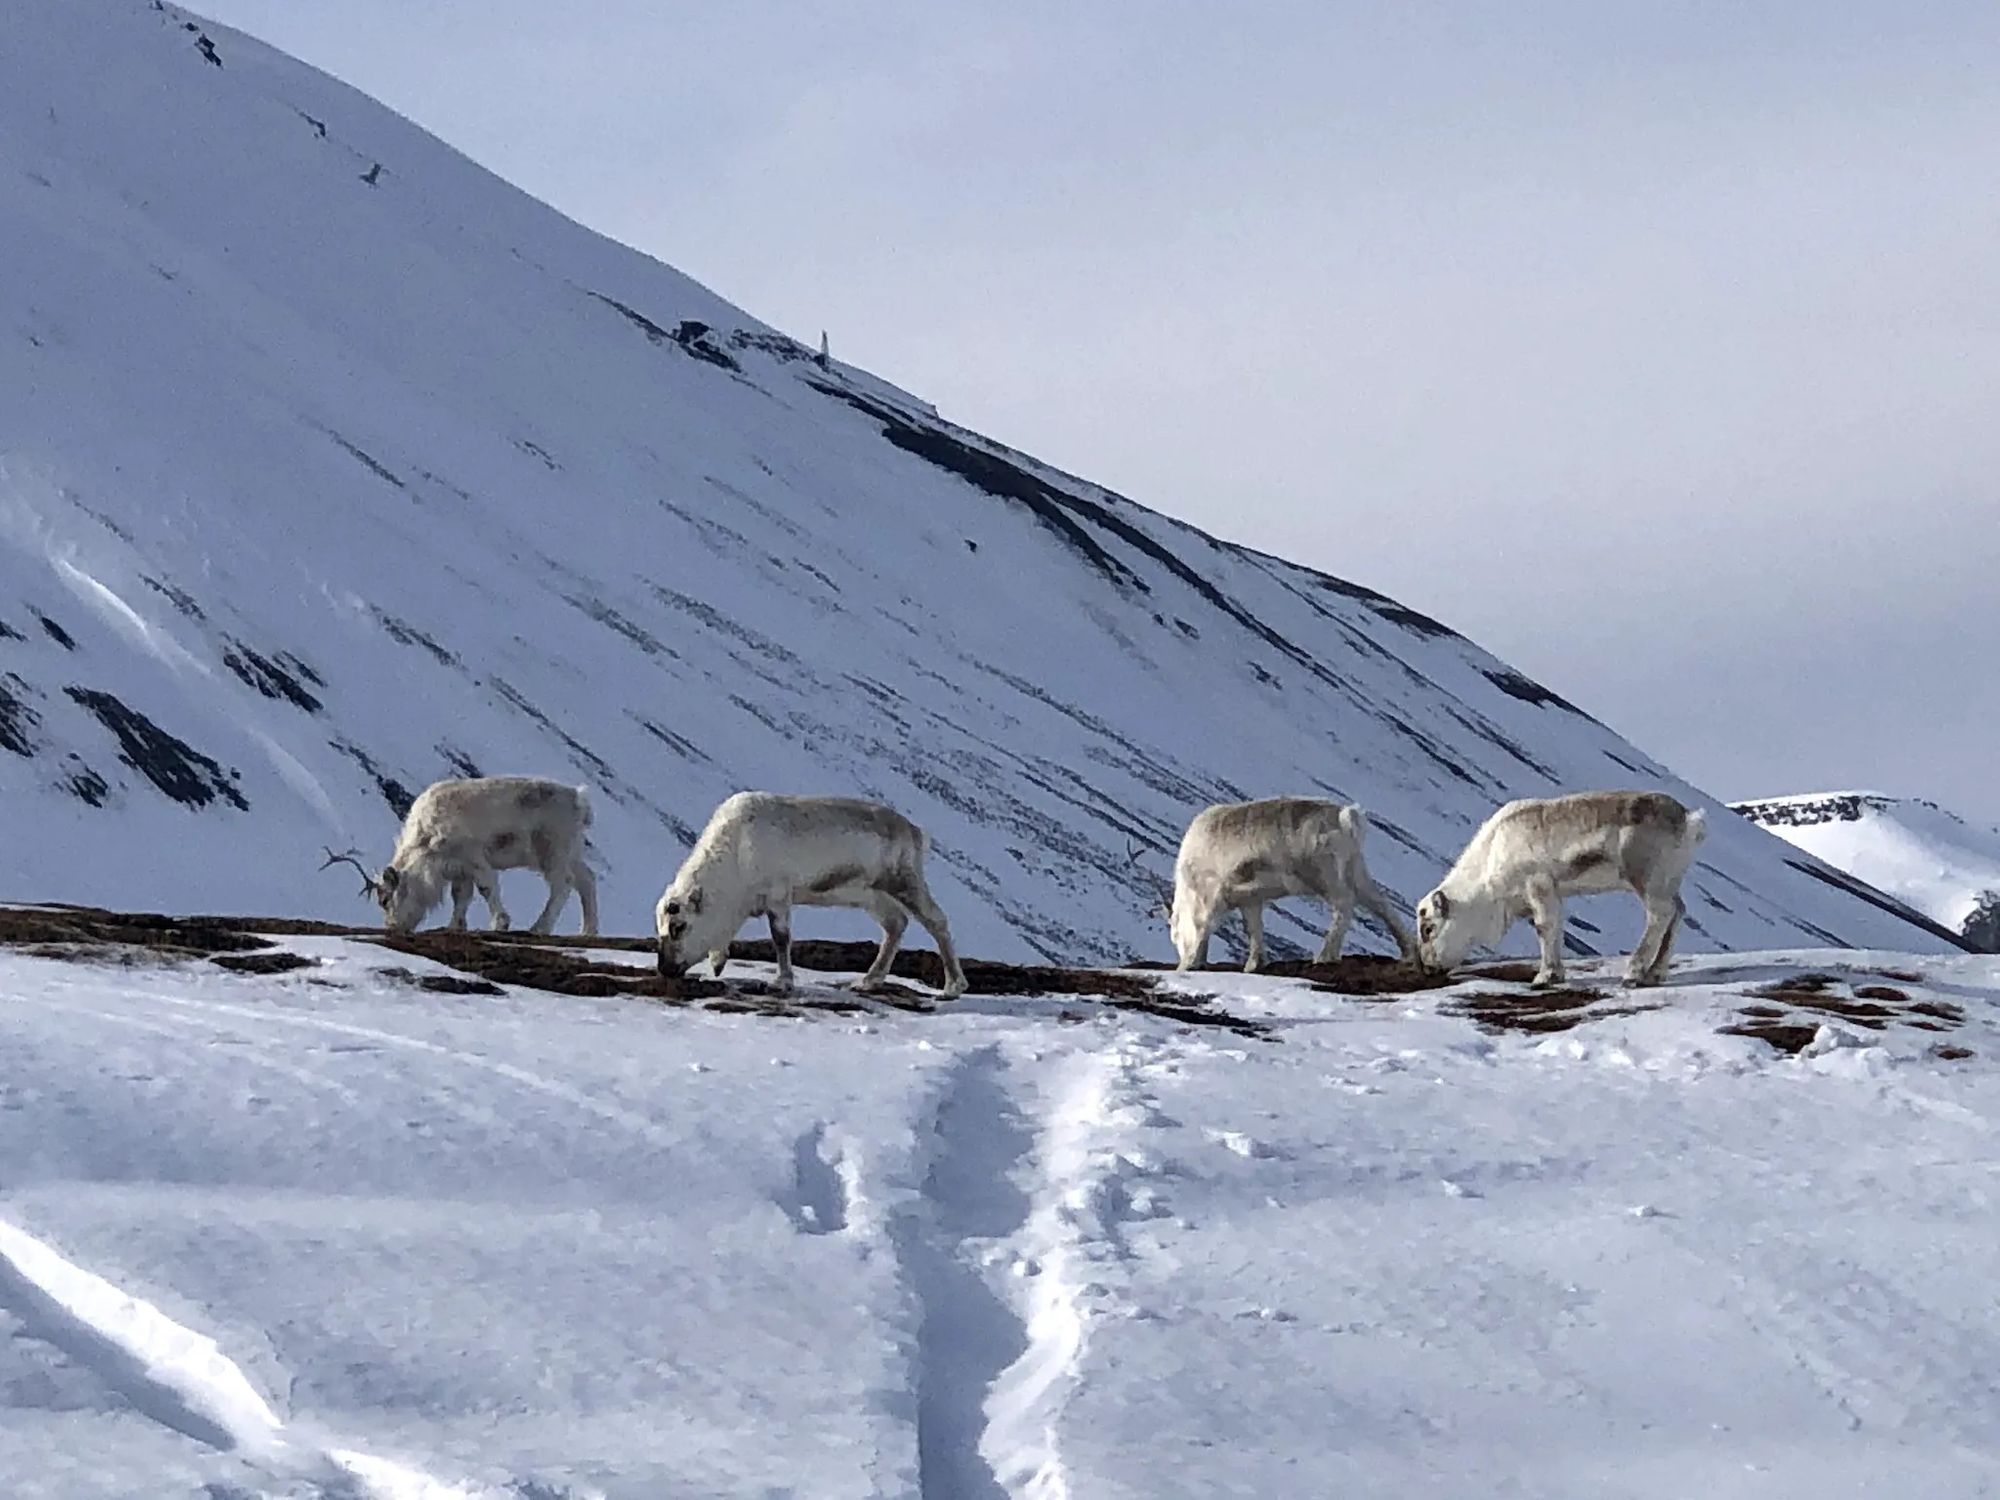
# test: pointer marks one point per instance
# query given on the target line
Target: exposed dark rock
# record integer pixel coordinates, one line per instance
(170, 763)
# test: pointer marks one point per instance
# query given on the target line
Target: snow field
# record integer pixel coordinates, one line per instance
(324, 1234)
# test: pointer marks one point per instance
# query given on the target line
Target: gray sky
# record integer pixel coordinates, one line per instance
(1656, 347)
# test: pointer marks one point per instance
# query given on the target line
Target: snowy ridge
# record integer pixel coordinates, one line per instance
(334, 465)
(1914, 850)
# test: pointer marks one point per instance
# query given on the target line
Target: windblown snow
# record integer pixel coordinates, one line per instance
(331, 465)
(331, 1234)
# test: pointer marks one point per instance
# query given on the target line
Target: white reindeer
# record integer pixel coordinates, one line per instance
(763, 854)
(459, 834)
(1530, 854)
(1243, 854)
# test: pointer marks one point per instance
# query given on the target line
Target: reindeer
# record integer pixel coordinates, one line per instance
(1530, 854)
(459, 834)
(763, 854)
(1242, 854)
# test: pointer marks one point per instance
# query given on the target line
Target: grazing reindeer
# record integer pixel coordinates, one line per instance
(763, 854)
(1530, 854)
(1243, 854)
(459, 834)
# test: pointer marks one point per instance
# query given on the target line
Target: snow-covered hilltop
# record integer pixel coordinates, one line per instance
(1915, 850)
(330, 465)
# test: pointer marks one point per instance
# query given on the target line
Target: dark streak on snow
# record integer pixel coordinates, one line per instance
(85, 785)
(170, 763)
(408, 635)
(178, 597)
(611, 619)
(690, 336)
(268, 676)
(16, 719)
(1880, 902)
(398, 796)
(684, 748)
(367, 460)
(56, 633)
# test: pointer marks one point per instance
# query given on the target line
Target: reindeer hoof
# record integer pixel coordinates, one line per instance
(1546, 979)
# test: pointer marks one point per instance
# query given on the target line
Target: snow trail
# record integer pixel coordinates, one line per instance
(966, 1333)
(179, 1378)
(820, 1192)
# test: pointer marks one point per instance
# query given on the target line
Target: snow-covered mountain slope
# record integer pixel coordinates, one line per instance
(331, 465)
(1915, 850)
(328, 1234)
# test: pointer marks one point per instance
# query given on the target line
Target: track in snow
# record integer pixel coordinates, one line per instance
(182, 1380)
(1008, 1249)
(966, 1333)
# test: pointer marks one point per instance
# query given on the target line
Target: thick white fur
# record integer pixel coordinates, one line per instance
(1530, 854)
(459, 834)
(762, 854)
(1239, 855)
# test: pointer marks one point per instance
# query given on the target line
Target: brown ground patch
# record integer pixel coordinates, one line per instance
(268, 961)
(1883, 992)
(1863, 1013)
(1538, 1011)
(1356, 974)
(1784, 1035)
(1790, 1003)
(559, 968)
(1952, 1054)
(82, 926)
(1941, 1010)
(1805, 984)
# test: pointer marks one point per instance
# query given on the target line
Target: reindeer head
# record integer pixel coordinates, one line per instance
(683, 924)
(1449, 929)
(401, 899)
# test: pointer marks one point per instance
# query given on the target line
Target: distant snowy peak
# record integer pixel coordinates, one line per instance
(1910, 848)
(1822, 807)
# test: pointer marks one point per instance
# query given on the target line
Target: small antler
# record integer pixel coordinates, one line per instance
(1166, 907)
(351, 857)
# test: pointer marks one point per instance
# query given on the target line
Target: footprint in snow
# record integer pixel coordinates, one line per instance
(1243, 1145)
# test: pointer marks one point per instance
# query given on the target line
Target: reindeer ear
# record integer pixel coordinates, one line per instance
(1443, 904)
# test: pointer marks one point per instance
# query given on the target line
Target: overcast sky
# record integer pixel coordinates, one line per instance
(1655, 346)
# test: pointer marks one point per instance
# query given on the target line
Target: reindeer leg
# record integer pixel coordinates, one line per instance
(585, 880)
(1657, 969)
(1253, 927)
(559, 888)
(1372, 899)
(895, 918)
(489, 888)
(914, 894)
(1545, 911)
(461, 901)
(780, 916)
(1339, 914)
(1649, 958)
